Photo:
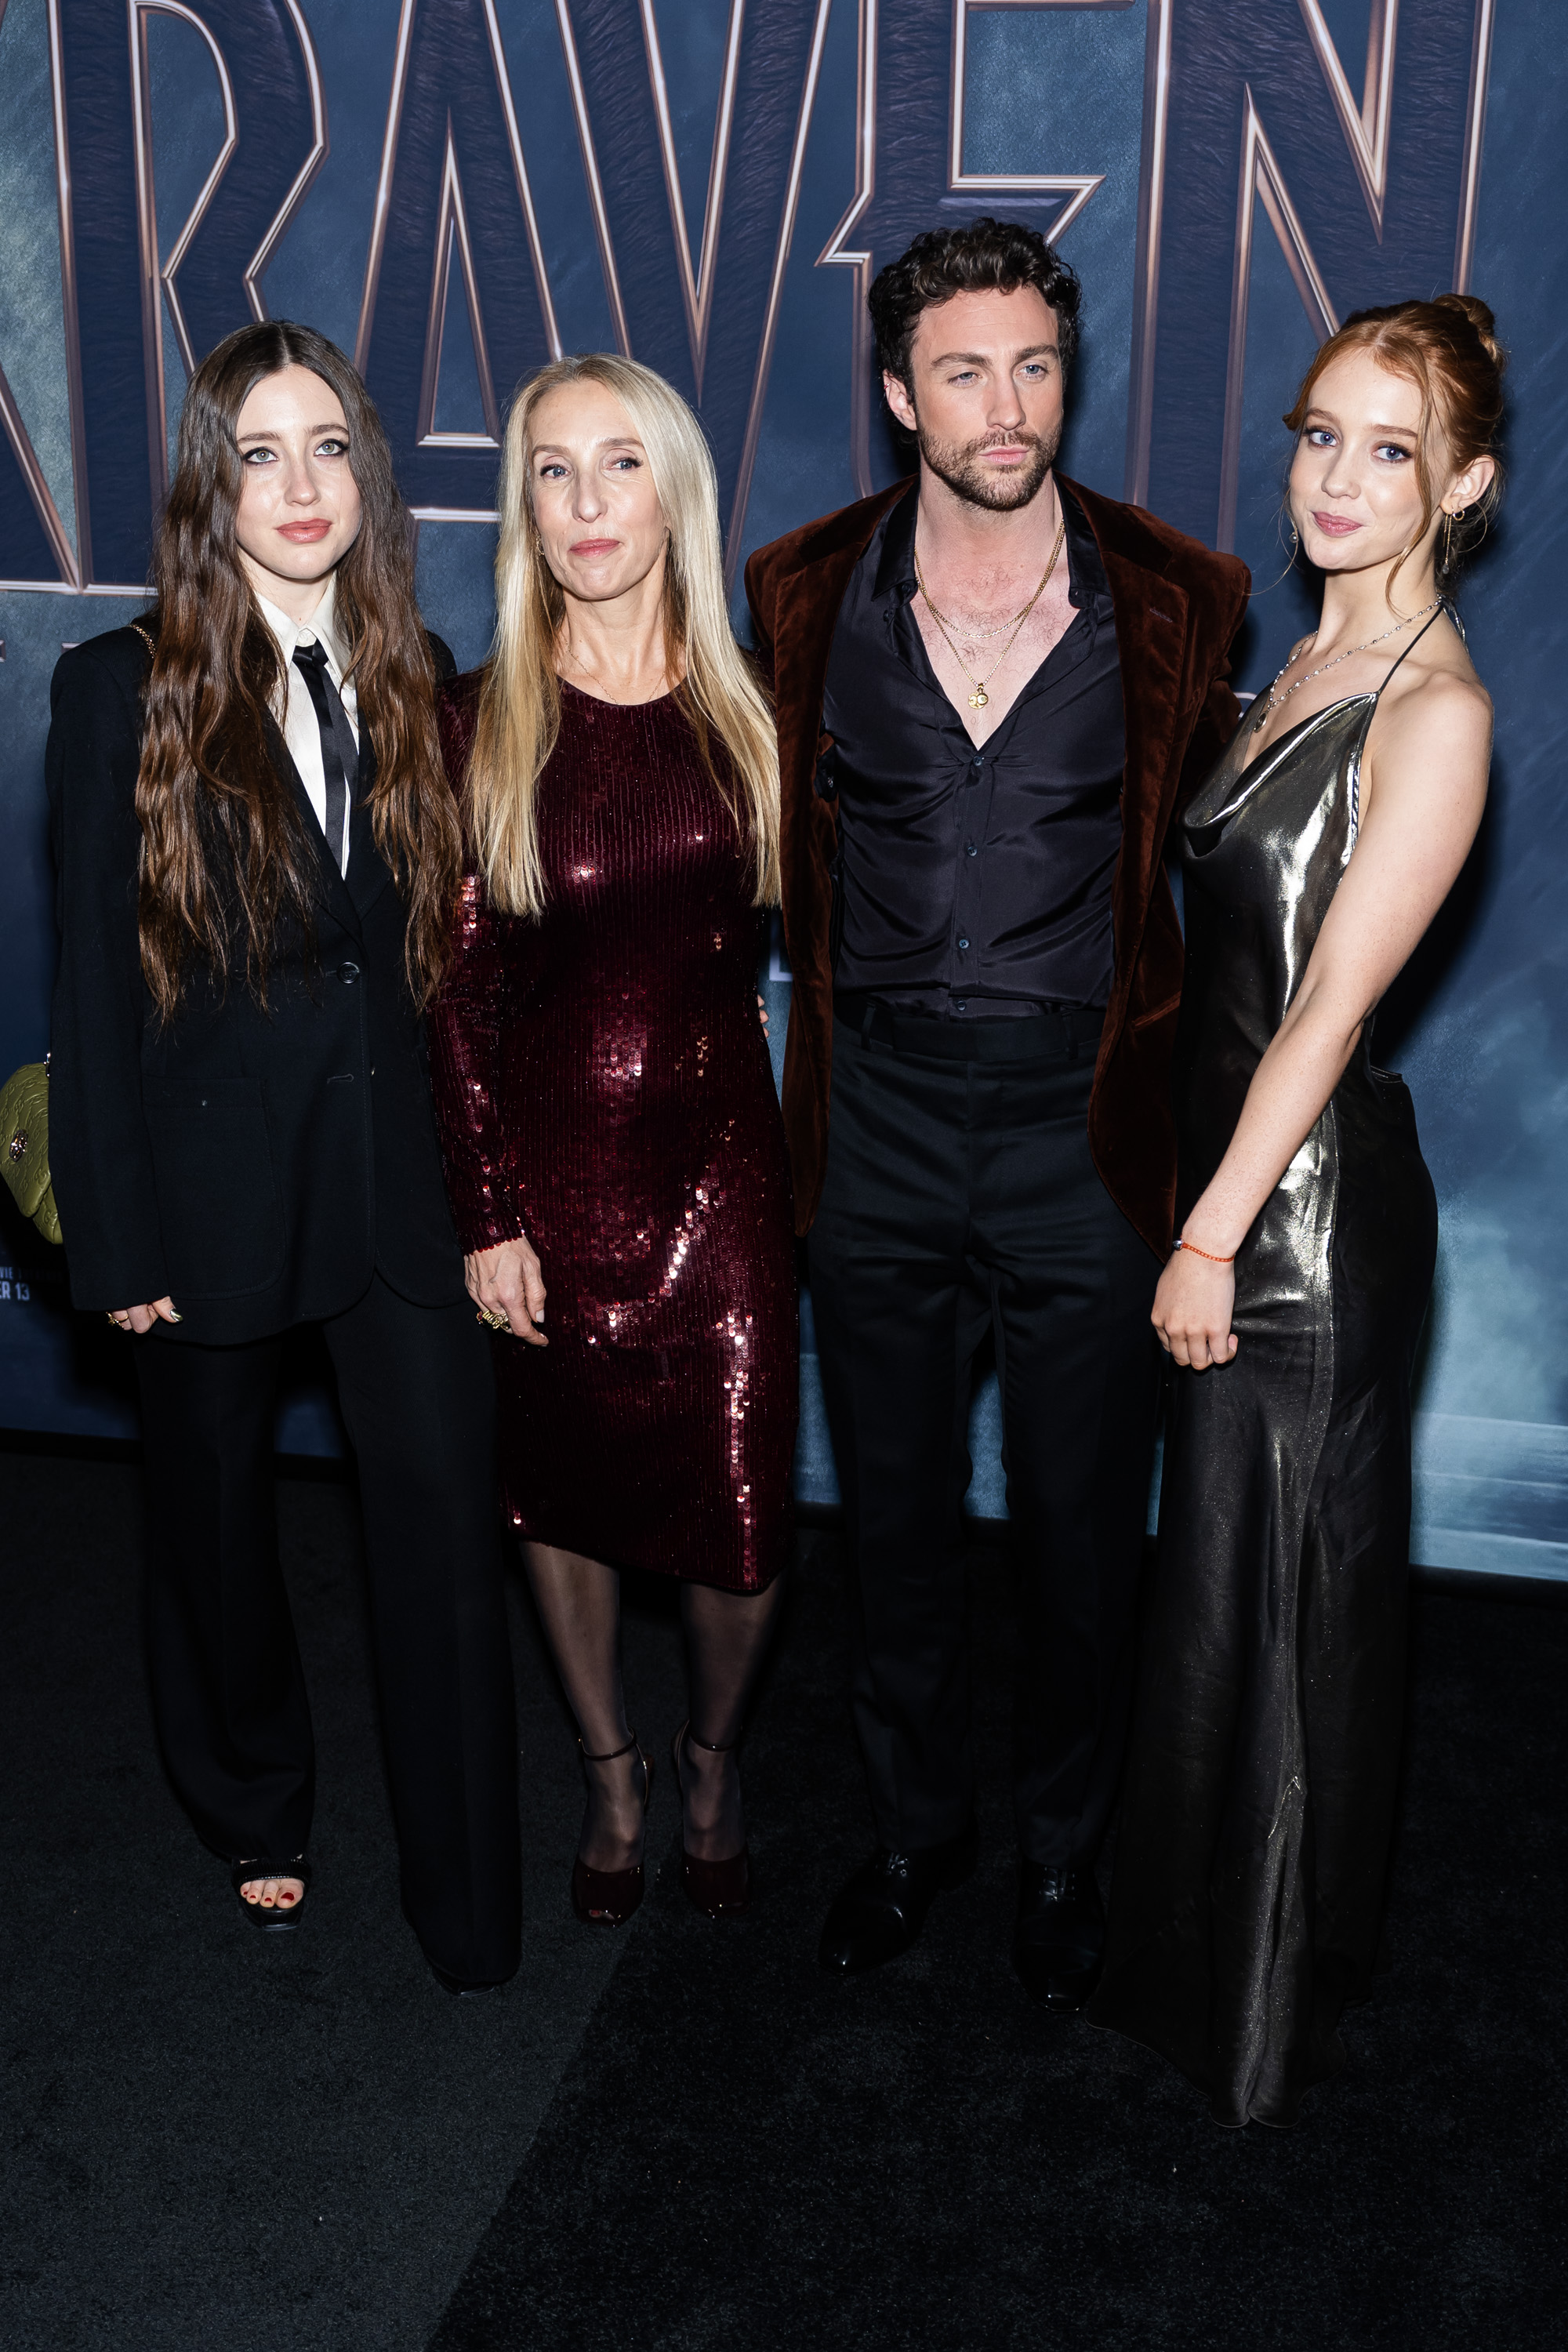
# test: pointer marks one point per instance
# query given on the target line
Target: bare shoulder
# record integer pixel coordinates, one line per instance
(1432, 736)
(1442, 706)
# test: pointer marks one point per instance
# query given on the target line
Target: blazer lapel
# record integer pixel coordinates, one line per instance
(369, 873)
(804, 617)
(1151, 628)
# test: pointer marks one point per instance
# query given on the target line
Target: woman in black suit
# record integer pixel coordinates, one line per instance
(257, 861)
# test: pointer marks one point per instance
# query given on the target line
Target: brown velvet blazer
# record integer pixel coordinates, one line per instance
(1177, 607)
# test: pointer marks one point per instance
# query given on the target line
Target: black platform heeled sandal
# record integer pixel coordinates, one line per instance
(606, 1898)
(271, 1918)
(722, 1889)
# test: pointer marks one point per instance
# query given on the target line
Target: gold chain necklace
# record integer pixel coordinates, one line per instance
(979, 636)
(1273, 704)
(979, 699)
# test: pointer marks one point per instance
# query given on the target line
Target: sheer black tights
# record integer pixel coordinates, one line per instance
(727, 1636)
(726, 1639)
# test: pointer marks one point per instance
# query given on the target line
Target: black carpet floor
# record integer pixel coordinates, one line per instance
(217, 2141)
(682, 2138)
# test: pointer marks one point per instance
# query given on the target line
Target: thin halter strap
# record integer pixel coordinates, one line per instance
(1355, 766)
(1416, 640)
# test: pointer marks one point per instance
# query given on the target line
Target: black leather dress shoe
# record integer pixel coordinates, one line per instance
(883, 1909)
(1059, 1941)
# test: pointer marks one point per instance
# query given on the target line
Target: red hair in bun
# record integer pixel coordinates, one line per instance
(1448, 349)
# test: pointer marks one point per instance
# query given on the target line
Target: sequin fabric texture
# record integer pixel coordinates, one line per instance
(603, 1084)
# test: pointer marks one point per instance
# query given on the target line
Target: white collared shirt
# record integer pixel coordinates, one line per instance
(301, 730)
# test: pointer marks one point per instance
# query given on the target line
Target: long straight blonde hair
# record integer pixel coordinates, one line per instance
(520, 703)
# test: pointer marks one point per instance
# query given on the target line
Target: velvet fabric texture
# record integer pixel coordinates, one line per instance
(1177, 606)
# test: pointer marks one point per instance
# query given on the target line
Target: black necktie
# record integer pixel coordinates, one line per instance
(339, 754)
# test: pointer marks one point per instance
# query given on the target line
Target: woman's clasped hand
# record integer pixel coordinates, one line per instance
(508, 1288)
(1193, 1307)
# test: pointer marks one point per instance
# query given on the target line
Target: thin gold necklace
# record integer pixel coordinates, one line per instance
(977, 636)
(1275, 703)
(979, 699)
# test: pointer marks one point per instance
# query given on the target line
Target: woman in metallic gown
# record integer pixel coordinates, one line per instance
(611, 1132)
(1258, 1806)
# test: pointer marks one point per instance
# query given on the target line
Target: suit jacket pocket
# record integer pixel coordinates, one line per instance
(218, 1202)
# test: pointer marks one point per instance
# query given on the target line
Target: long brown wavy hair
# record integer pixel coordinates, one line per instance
(226, 856)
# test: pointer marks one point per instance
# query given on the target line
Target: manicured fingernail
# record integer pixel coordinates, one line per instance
(174, 1317)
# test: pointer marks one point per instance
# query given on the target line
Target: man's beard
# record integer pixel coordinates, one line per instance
(958, 465)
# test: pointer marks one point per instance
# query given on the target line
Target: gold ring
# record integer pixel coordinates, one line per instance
(494, 1322)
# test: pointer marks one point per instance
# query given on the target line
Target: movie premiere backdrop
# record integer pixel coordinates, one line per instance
(458, 190)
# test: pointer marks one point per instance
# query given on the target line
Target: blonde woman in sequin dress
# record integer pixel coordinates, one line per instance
(614, 1151)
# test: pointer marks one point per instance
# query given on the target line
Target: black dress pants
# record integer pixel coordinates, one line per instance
(228, 1695)
(960, 1196)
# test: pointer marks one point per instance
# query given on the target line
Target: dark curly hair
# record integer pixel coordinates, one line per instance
(988, 256)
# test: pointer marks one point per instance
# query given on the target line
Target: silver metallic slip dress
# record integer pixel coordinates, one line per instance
(1258, 1811)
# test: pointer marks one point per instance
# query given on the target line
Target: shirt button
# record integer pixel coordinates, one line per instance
(975, 766)
(348, 973)
(961, 1006)
(970, 850)
(961, 945)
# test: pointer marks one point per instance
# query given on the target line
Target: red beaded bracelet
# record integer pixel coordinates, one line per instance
(1205, 1253)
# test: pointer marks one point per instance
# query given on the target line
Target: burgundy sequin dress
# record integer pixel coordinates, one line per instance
(603, 1085)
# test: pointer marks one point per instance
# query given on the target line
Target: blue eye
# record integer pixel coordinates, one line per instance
(1393, 449)
(1318, 436)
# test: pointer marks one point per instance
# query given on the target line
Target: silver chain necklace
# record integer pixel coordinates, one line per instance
(1276, 701)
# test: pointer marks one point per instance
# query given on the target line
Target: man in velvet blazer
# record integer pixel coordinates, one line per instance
(978, 792)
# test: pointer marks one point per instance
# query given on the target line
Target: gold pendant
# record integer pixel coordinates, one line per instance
(979, 699)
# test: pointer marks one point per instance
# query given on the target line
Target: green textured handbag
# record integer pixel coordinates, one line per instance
(25, 1145)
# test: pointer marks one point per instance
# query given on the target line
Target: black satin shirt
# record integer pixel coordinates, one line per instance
(974, 882)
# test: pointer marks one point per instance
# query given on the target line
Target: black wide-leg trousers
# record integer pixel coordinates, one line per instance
(228, 1693)
(961, 1197)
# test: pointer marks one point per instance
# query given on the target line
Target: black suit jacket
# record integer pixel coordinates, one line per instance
(257, 1167)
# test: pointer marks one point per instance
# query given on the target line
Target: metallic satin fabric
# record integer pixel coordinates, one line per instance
(603, 1084)
(1258, 1805)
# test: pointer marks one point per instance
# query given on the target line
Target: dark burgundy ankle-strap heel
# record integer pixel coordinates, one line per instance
(606, 1898)
(722, 1889)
